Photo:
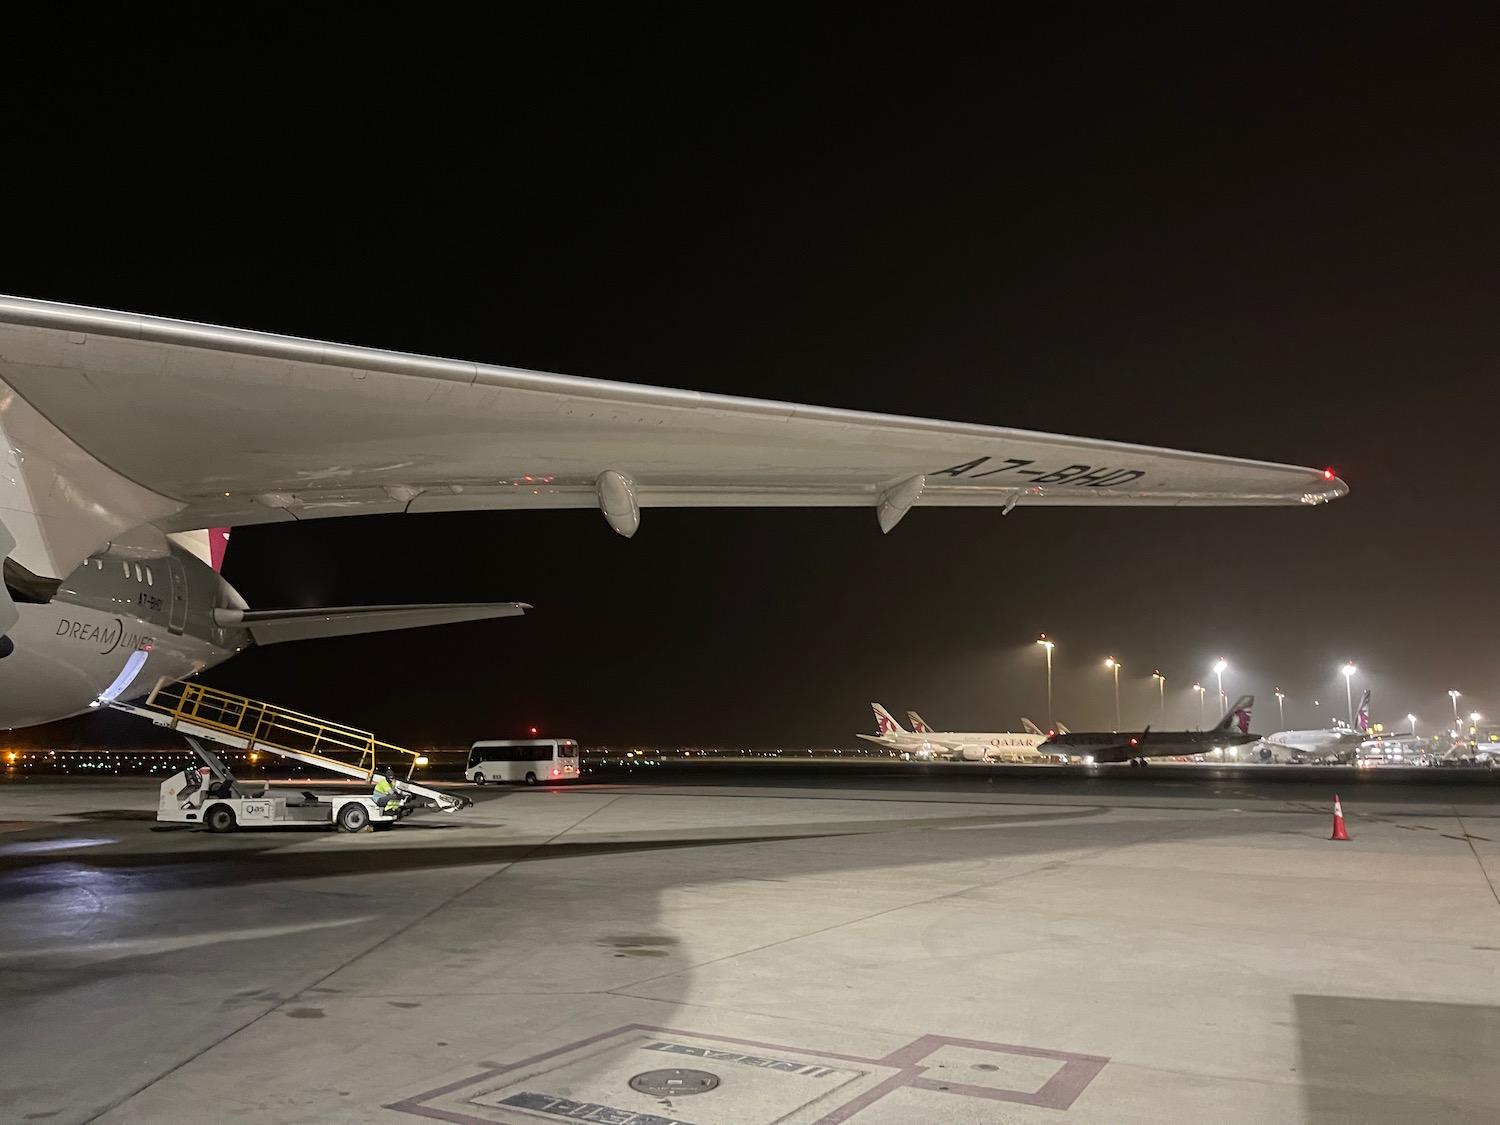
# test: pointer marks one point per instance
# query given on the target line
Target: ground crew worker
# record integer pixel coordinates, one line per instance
(386, 795)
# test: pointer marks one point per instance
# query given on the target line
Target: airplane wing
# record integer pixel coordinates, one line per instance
(122, 420)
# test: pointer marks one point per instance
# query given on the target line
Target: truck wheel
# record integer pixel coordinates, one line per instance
(220, 818)
(479, 779)
(530, 778)
(353, 817)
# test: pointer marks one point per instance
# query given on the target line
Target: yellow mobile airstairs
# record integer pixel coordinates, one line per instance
(215, 798)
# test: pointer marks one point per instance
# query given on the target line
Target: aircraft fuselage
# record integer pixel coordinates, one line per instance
(73, 648)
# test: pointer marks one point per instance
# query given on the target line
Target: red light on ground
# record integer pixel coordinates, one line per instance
(1132, 742)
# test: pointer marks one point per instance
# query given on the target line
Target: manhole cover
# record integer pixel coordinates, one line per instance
(662, 1083)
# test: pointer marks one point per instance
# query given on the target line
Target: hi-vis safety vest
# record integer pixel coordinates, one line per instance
(385, 792)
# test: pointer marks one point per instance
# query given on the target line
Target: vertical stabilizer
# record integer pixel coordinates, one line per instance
(218, 543)
(1238, 714)
(918, 723)
(884, 724)
(208, 544)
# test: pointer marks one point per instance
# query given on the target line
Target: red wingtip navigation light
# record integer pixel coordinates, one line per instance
(533, 730)
(1327, 474)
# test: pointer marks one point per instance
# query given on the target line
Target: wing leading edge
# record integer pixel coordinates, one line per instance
(217, 427)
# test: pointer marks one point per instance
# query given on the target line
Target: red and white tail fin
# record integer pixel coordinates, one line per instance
(1239, 715)
(884, 724)
(208, 544)
(218, 543)
(1362, 716)
(918, 724)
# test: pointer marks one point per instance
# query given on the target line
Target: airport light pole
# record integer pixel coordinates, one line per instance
(1161, 687)
(1046, 644)
(1348, 671)
(1453, 695)
(1200, 689)
(1281, 707)
(1412, 719)
(1111, 662)
(1219, 666)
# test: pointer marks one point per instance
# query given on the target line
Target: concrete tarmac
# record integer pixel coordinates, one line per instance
(772, 945)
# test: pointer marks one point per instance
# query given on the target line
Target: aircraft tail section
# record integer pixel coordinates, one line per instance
(272, 626)
(1031, 728)
(218, 543)
(208, 544)
(884, 724)
(1239, 715)
(1362, 717)
(918, 724)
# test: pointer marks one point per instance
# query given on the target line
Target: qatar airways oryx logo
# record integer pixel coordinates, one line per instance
(108, 637)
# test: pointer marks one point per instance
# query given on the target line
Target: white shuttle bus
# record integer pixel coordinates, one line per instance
(532, 760)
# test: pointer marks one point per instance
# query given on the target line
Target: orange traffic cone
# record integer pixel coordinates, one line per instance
(1338, 821)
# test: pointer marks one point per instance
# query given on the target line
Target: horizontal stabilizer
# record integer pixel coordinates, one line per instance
(272, 626)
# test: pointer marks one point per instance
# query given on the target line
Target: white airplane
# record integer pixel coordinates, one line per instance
(122, 432)
(1333, 744)
(1028, 726)
(923, 742)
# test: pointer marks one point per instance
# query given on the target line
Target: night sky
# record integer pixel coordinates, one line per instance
(1263, 231)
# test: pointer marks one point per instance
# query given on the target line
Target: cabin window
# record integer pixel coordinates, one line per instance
(138, 577)
(150, 581)
(125, 566)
